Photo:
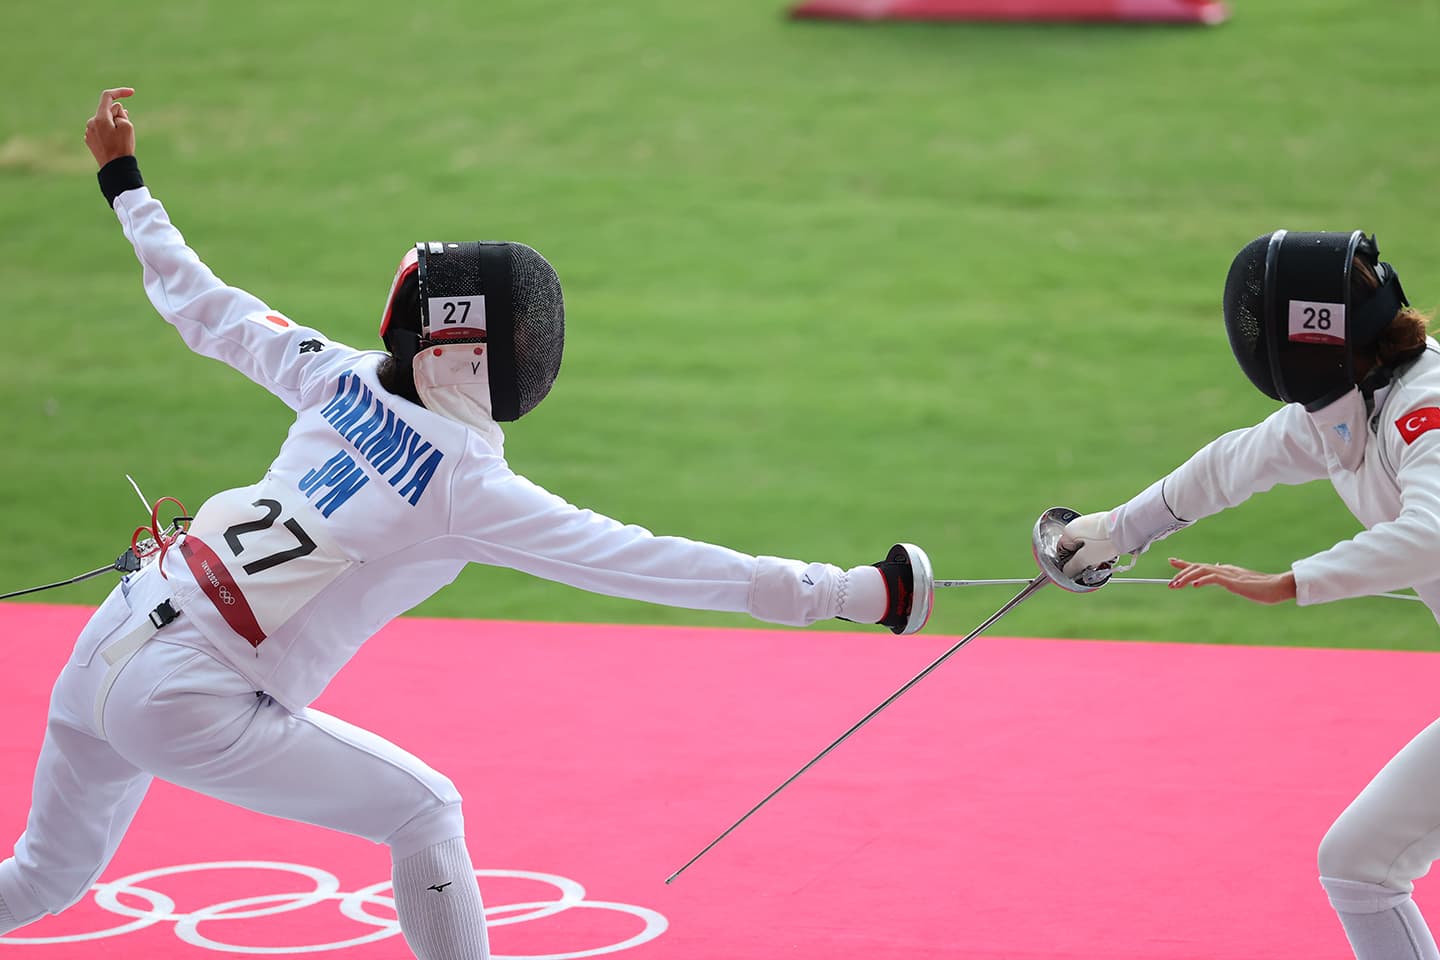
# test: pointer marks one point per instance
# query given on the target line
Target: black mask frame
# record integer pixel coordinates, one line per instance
(462, 294)
(1312, 320)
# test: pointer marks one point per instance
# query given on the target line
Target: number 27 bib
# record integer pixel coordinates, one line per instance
(255, 560)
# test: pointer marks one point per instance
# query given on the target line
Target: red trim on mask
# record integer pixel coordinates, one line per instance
(409, 266)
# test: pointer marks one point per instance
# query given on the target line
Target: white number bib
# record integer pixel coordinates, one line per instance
(259, 555)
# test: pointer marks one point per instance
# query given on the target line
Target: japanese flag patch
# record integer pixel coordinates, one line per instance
(1416, 422)
(272, 321)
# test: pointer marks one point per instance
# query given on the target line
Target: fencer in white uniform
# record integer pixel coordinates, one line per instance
(200, 668)
(1317, 321)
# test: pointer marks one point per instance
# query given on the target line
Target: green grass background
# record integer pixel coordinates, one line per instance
(828, 286)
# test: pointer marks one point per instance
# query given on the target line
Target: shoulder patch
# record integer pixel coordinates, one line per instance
(1418, 421)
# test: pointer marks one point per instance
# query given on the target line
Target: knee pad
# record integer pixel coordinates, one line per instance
(432, 826)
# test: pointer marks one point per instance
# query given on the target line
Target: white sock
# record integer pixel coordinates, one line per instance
(7, 919)
(1395, 934)
(1382, 923)
(438, 903)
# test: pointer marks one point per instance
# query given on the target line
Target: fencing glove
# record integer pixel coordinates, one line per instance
(1090, 537)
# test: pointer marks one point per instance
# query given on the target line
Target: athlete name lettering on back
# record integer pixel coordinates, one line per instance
(1418, 421)
(383, 439)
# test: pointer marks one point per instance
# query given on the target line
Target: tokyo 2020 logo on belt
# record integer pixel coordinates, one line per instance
(200, 927)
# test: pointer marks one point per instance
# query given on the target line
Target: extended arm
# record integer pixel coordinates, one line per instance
(1396, 553)
(215, 320)
(503, 519)
(1283, 448)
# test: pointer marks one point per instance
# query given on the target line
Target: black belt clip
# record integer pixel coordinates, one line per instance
(163, 614)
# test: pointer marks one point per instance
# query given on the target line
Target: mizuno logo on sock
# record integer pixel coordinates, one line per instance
(440, 887)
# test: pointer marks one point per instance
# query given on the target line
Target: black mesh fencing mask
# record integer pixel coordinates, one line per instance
(504, 296)
(1294, 316)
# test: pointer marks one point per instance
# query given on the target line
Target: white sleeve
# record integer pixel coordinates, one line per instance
(502, 519)
(1397, 553)
(215, 320)
(1283, 448)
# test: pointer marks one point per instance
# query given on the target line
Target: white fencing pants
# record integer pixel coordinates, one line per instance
(1385, 840)
(177, 713)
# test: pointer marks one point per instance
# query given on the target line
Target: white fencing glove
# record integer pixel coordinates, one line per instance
(1098, 539)
(1090, 537)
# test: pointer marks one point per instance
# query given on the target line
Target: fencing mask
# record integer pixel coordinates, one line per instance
(1294, 316)
(480, 324)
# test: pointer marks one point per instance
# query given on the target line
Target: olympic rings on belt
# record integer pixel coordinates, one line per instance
(161, 908)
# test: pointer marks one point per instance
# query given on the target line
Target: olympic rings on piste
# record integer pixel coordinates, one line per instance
(161, 909)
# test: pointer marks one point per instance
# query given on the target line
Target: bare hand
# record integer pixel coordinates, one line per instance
(109, 134)
(1260, 587)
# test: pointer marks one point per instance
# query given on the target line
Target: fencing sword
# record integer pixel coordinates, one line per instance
(988, 583)
(1051, 558)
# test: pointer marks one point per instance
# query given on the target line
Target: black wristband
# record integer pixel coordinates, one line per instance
(119, 175)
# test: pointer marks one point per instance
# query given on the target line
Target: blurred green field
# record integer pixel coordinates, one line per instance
(828, 286)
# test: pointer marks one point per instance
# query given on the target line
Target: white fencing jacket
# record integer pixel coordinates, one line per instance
(374, 503)
(1393, 489)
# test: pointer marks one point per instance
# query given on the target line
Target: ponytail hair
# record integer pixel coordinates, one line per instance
(1400, 342)
(399, 379)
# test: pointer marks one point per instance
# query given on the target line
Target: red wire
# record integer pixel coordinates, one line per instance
(162, 540)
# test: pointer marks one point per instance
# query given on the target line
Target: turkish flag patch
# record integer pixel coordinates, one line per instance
(1417, 422)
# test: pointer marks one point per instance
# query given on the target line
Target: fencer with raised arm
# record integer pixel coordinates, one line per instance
(201, 667)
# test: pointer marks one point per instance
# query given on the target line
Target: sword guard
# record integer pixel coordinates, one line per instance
(1051, 557)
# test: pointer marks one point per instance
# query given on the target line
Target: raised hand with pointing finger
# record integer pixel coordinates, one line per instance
(110, 134)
